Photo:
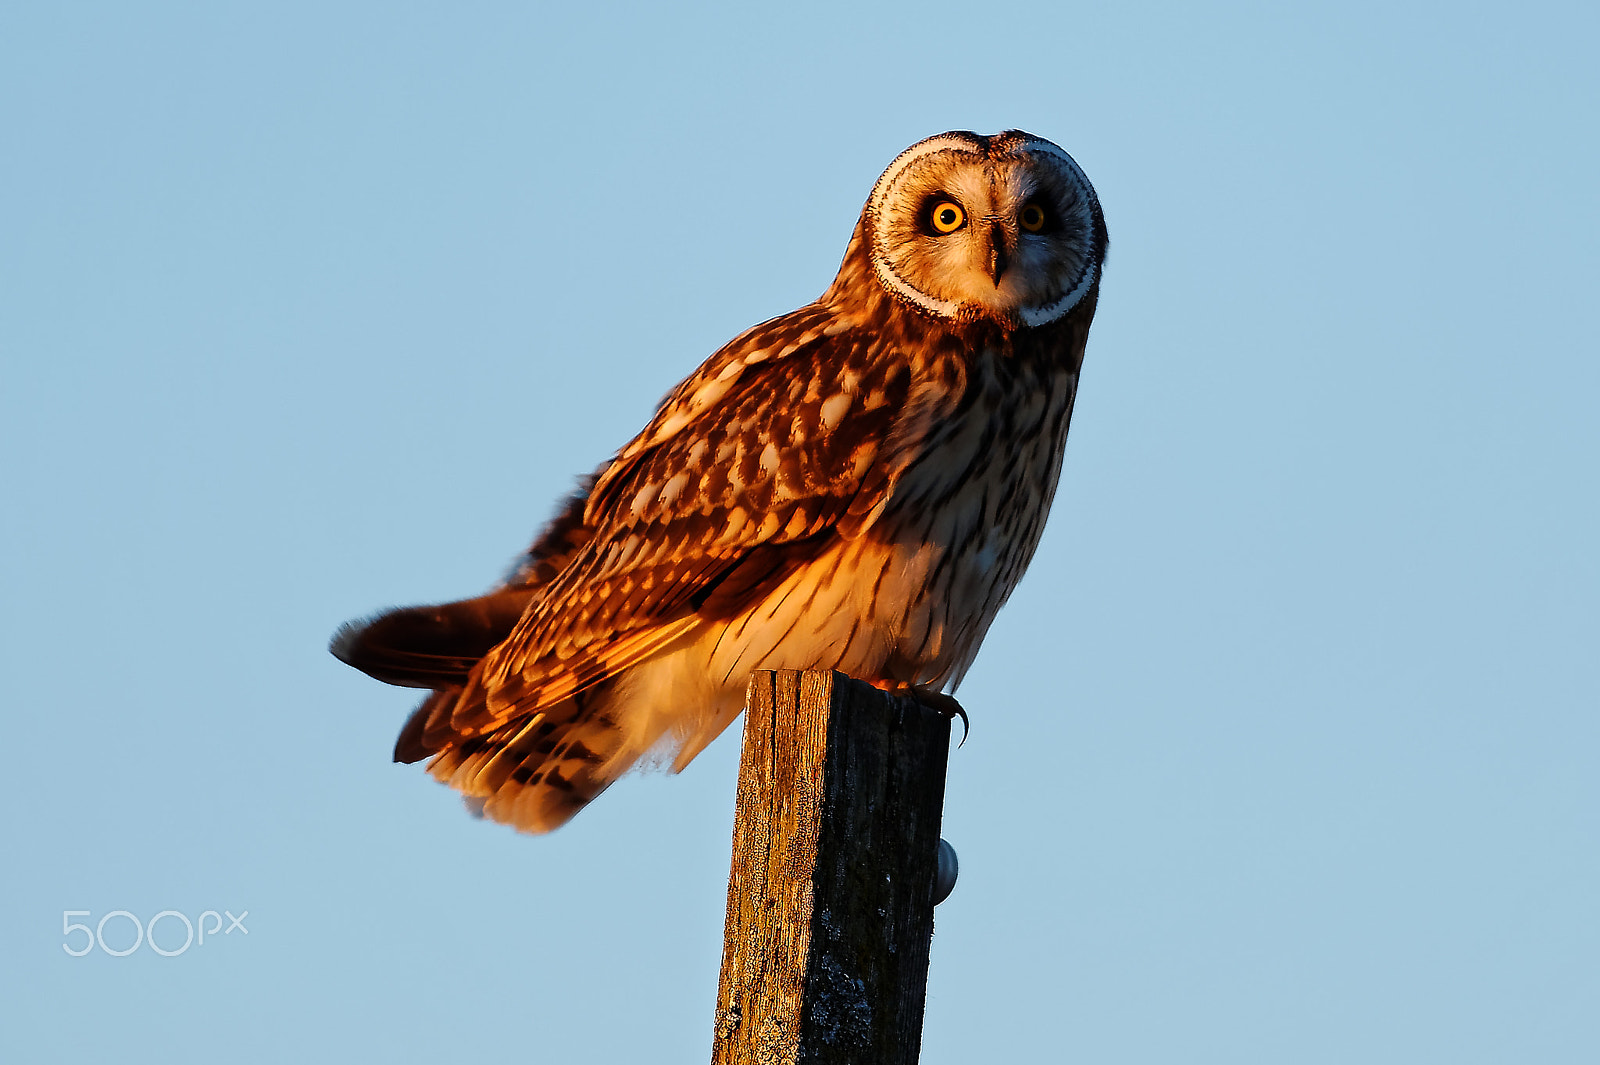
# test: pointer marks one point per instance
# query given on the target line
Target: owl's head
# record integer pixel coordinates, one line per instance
(1005, 228)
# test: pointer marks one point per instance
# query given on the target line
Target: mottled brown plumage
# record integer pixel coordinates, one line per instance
(857, 485)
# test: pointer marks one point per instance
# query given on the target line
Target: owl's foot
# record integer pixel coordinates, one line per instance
(928, 696)
(934, 699)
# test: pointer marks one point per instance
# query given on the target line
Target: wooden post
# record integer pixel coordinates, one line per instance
(830, 899)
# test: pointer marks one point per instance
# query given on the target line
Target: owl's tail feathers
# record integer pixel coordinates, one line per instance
(535, 771)
(430, 646)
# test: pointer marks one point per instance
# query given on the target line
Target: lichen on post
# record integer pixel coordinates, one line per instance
(831, 891)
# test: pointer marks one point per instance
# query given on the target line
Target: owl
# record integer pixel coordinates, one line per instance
(857, 485)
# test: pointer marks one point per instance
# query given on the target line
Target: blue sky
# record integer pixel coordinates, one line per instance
(1285, 750)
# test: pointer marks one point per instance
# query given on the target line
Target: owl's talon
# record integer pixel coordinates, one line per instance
(934, 699)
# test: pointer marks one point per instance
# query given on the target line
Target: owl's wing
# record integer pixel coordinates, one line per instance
(747, 469)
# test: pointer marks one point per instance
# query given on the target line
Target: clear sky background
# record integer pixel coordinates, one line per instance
(1286, 750)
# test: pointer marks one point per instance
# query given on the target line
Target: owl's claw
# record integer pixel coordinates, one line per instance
(934, 699)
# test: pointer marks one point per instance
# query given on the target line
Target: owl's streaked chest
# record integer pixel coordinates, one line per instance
(967, 514)
(910, 595)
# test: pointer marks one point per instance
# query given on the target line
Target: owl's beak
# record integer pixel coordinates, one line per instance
(998, 258)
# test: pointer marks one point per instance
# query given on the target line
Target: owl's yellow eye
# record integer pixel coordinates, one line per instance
(1032, 218)
(947, 217)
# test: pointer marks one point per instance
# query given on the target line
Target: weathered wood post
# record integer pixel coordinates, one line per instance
(830, 899)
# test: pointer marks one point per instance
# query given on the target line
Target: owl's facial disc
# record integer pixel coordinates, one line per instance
(1003, 227)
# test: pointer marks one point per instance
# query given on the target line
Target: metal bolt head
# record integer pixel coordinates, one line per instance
(944, 881)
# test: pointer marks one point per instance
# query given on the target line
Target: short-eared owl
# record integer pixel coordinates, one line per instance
(857, 485)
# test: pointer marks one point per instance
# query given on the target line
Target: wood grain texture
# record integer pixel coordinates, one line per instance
(830, 896)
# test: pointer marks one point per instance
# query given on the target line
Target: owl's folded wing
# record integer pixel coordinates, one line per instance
(747, 470)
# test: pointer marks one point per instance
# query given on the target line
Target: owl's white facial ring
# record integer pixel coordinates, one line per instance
(1052, 270)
